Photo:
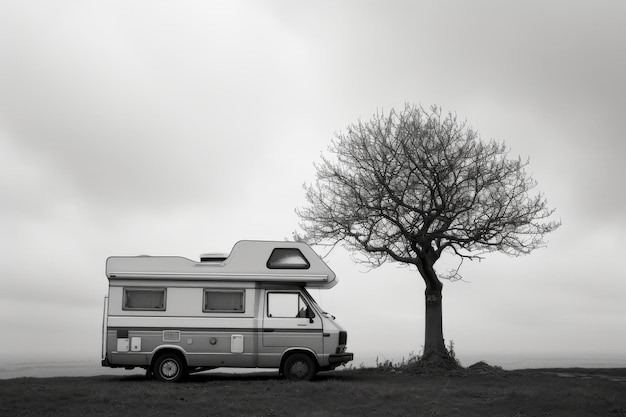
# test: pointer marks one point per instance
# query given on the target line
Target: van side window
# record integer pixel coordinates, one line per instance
(287, 258)
(287, 304)
(144, 299)
(223, 301)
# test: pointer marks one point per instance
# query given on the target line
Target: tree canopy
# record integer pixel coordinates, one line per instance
(413, 184)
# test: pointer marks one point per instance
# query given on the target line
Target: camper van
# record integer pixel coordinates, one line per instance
(248, 309)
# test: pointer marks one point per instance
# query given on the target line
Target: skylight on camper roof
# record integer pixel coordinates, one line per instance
(287, 258)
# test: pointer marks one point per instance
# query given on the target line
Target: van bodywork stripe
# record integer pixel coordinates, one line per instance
(214, 329)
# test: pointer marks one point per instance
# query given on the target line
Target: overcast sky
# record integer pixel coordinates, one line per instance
(178, 128)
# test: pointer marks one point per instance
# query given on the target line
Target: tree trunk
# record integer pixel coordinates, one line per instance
(433, 338)
(435, 353)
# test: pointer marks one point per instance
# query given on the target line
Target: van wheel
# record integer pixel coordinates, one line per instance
(169, 367)
(299, 367)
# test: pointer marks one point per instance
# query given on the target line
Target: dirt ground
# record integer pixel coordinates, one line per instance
(360, 392)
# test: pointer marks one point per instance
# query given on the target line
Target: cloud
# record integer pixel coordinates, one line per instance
(128, 116)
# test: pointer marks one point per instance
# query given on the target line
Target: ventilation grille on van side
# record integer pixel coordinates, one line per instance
(171, 335)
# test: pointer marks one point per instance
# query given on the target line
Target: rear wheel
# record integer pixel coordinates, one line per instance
(169, 367)
(299, 367)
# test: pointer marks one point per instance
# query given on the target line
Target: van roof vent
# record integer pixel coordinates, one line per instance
(213, 257)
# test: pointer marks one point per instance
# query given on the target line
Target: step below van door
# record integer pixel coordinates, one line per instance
(290, 322)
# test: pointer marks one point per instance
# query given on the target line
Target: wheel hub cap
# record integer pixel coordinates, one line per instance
(169, 369)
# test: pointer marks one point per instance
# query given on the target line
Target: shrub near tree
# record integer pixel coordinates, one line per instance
(410, 186)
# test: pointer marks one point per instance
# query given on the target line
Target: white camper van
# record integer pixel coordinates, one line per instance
(248, 309)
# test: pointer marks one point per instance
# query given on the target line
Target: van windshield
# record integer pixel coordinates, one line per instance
(316, 306)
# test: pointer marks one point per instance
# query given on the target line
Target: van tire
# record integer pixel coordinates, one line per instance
(299, 367)
(169, 367)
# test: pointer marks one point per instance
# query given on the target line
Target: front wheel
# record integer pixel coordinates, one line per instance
(299, 367)
(169, 367)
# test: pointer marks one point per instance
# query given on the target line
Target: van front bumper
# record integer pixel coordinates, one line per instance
(340, 359)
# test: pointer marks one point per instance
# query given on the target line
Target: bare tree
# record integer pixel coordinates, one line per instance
(409, 186)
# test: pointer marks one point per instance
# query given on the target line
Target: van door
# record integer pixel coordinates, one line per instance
(289, 321)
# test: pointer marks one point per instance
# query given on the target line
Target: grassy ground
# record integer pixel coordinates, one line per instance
(361, 392)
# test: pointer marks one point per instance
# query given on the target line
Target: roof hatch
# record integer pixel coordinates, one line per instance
(213, 257)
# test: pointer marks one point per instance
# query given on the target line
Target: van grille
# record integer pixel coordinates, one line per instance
(171, 335)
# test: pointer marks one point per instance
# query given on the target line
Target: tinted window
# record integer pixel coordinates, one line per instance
(223, 301)
(287, 258)
(144, 299)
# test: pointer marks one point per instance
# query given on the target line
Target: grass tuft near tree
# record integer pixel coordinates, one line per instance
(410, 186)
